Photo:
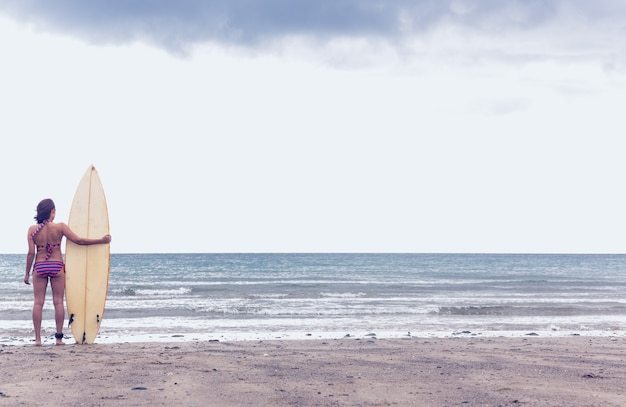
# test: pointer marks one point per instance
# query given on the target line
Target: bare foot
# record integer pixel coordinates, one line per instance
(37, 342)
(60, 342)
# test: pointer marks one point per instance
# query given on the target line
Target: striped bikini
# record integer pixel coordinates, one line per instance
(47, 268)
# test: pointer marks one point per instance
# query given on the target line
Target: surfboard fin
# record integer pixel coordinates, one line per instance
(71, 320)
(84, 337)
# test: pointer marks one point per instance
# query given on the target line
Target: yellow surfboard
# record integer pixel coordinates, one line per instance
(87, 267)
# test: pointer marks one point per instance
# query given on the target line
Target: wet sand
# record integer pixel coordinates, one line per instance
(469, 371)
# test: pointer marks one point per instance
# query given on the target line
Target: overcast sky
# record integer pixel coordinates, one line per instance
(320, 125)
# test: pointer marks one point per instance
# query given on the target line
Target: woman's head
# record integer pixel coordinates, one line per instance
(44, 209)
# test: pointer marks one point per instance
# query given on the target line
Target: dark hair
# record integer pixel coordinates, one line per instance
(44, 209)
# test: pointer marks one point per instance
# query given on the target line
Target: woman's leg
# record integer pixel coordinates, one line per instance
(58, 291)
(40, 285)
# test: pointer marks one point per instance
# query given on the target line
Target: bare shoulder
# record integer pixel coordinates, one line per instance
(65, 229)
(60, 226)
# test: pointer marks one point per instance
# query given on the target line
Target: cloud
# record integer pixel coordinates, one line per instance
(179, 25)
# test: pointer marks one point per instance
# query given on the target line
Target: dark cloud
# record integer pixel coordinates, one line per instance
(178, 24)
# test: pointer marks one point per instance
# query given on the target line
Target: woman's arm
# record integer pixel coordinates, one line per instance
(73, 237)
(30, 257)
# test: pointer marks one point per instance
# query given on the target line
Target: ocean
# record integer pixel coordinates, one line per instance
(230, 297)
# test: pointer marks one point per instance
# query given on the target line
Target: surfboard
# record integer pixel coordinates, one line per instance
(87, 267)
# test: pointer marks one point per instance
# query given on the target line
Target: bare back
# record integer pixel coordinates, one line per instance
(47, 241)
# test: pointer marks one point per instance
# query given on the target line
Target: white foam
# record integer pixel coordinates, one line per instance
(110, 337)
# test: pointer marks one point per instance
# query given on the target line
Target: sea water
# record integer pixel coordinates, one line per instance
(156, 297)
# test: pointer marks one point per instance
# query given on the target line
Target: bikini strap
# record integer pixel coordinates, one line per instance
(49, 246)
(41, 225)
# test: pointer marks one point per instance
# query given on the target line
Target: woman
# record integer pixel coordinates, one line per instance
(44, 247)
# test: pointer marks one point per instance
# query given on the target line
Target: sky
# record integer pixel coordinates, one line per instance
(418, 126)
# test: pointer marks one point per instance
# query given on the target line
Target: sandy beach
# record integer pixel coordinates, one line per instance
(470, 371)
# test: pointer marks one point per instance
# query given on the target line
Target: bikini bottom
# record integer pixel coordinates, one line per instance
(48, 268)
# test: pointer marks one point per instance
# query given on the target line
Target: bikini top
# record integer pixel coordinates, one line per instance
(48, 246)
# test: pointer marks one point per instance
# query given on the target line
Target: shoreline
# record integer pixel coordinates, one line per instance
(18, 338)
(472, 370)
